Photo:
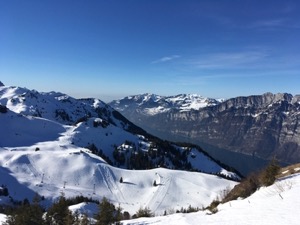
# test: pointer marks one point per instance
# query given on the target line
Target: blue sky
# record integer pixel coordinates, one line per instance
(111, 49)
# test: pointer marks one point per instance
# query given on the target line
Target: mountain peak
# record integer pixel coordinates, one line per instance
(1, 84)
(154, 104)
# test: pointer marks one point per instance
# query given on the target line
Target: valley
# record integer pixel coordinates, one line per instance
(252, 127)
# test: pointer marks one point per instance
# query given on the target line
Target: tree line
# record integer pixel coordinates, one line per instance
(26, 213)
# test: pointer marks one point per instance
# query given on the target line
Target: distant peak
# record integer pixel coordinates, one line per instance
(1, 84)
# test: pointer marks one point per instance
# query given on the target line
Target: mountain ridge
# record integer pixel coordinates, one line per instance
(264, 125)
(155, 104)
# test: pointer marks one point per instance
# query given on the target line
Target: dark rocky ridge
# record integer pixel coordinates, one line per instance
(262, 125)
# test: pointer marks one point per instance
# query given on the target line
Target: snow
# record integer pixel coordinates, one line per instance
(272, 205)
(26, 171)
(32, 120)
(154, 111)
(46, 155)
(85, 208)
(2, 218)
(152, 104)
(27, 130)
(191, 101)
(199, 161)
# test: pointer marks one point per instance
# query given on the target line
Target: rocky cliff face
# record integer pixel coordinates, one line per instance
(263, 125)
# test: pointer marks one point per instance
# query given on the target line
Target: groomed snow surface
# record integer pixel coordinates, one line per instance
(277, 204)
(75, 172)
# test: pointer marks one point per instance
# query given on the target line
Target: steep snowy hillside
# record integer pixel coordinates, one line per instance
(55, 106)
(20, 130)
(277, 204)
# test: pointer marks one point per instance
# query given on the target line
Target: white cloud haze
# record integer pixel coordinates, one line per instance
(166, 59)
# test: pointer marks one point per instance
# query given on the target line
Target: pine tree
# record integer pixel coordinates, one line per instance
(126, 215)
(69, 219)
(119, 214)
(154, 183)
(27, 214)
(59, 213)
(146, 212)
(106, 214)
(36, 211)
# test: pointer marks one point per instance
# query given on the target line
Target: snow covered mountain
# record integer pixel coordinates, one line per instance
(52, 143)
(34, 117)
(263, 126)
(151, 104)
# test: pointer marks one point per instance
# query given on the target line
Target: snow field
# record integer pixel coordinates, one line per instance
(77, 172)
(277, 204)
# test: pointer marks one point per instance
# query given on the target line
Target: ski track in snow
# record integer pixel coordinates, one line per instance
(160, 193)
(32, 167)
(264, 207)
(109, 179)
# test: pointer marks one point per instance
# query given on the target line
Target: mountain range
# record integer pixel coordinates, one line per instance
(260, 126)
(52, 143)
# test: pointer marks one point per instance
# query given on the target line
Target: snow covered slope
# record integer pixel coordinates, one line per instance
(277, 204)
(43, 150)
(54, 106)
(60, 166)
(34, 117)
